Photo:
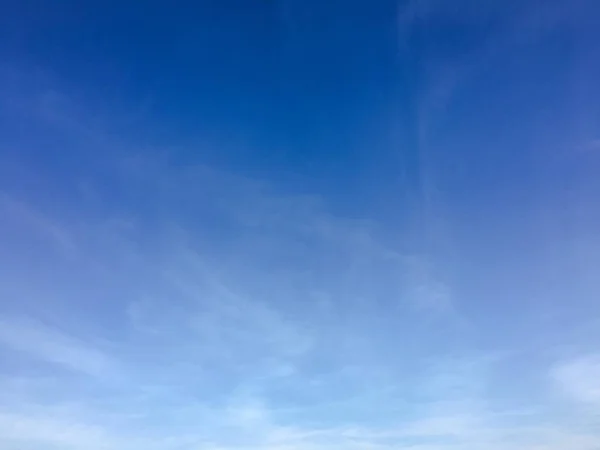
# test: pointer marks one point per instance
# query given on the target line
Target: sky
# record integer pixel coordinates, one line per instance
(300, 225)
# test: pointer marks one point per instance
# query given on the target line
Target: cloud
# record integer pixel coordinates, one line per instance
(501, 26)
(27, 431)
(20, 214)
(232, 318)
(579, 378)
(52, 346)
(245, 317)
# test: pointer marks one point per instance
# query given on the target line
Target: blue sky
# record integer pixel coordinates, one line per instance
(300, 225)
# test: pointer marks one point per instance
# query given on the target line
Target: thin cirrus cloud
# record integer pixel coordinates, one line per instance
(152, 304)
(579, 379)
(209, 356)
(53, 347)
(190, 319)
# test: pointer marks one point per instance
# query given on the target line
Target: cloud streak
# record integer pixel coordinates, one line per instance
(51, 346)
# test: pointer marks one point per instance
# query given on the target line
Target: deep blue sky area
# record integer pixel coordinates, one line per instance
(277, 71)
(302, 87)
(300, 225)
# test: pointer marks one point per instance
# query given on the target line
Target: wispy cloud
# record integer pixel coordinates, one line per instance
(26, 431)
(228, 314)
(19, 214)
(579, 378)
(48, 345)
